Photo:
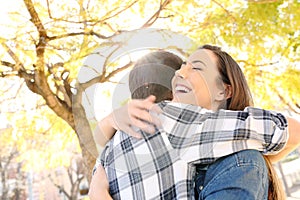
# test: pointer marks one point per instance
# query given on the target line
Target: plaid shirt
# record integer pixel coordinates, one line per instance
(162, 165)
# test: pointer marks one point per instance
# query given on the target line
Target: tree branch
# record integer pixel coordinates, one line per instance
(101, 79)
(40, 47)
(59, 187)
(48, 9)
(262, 1)
(92, 33)
(155, 16)
(61, 87)
(117, 71)
(117, 13)
(293, 109)
(8, 74)
(35, 18)
(11, 156)
(228, 13)
(17, 69)
(257, 65)
(89, 83)
(18, 65)
(7, 64)
(16, 94)
(110, 14)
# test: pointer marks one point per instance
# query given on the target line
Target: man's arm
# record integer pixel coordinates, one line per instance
(293, 141)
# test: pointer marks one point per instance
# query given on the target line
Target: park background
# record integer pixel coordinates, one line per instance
(47, 151)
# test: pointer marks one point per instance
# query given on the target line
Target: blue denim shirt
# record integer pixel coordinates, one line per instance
(239, 176)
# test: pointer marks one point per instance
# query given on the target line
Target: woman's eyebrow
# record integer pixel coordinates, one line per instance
(198, 61)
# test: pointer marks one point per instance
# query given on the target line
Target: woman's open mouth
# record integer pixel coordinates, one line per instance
(182, 89)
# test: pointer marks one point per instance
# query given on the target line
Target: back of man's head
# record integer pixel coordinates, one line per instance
(152, 75)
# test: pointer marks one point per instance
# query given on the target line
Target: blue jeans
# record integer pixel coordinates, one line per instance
(243, 175)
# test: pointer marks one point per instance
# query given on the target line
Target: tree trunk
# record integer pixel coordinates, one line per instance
(84, 134)
(3, 182)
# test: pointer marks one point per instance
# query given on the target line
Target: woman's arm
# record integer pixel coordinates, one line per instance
(134, 113)
(99, 186)
(293, 141)
(104, 130)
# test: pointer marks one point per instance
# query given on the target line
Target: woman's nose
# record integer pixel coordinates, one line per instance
(183, 71)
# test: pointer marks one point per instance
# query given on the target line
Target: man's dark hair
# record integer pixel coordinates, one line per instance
(152, 75)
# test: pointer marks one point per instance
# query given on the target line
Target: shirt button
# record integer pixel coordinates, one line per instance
(200, 187)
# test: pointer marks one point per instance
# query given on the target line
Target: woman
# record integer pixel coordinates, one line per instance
(210, 79)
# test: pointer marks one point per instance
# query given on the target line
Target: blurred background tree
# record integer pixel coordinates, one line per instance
(44, 44)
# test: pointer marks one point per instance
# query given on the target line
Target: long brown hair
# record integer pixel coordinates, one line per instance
(231, 74)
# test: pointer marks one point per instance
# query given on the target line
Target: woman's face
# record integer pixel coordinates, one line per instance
(198, 81)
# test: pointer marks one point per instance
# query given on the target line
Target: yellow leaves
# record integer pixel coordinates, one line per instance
(42, 139)
(6, 140)
(289, 81)
(56, 151)
(275, 87)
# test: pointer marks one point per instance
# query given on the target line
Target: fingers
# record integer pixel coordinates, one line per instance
(132, 132)
(143, 125)
(151, 98)
(146, 120)
(142, 114)
(145, 110)
(155, 112)
(145, 104)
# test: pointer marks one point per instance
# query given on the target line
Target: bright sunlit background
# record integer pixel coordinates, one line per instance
(45, 151)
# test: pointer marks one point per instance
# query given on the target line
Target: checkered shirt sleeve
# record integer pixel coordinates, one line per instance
(162, 165)
(202, 136)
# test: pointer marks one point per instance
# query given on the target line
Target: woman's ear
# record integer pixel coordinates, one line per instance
(225, 93)
(228, 91)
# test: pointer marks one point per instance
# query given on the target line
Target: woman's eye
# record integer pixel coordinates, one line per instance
(197, 68)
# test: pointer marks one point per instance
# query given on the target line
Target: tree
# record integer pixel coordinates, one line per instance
(11, 175)
(50, 39)
(75, 174)
(31, 140)
(68, 38)
(5, 163)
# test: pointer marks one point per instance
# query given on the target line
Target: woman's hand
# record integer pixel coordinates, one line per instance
(99, 186)
(137, 113)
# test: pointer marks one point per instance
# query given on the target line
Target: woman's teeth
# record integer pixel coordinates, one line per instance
(181, 88)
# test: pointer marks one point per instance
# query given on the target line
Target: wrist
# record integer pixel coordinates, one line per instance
(105, 194)
(112, 122)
